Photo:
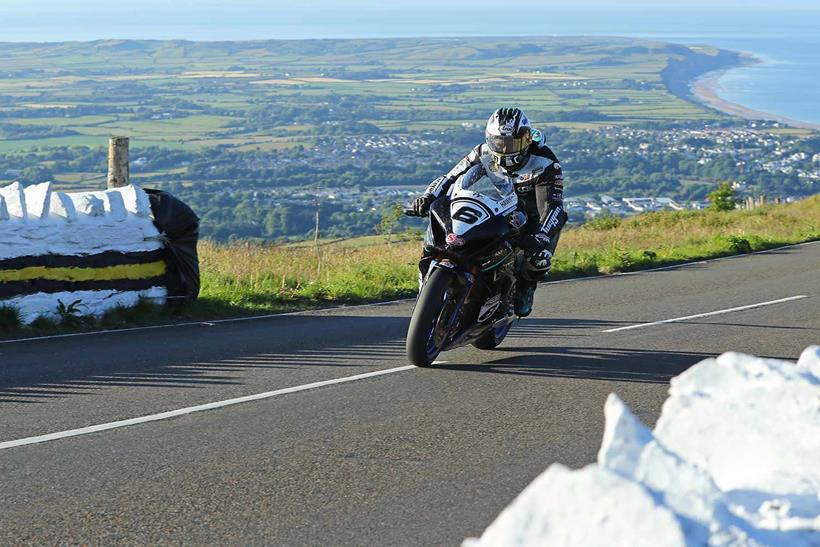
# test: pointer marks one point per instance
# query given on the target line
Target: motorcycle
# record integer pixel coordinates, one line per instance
(468, 271)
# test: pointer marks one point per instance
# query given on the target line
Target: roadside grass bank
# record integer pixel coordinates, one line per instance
(242, 279)
(255, 278)
(609, 244)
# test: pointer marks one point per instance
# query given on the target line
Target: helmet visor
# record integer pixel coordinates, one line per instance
(508, 146)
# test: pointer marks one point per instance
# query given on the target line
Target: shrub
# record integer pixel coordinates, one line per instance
(44, 323)
(143, 312)
(9, 318)
(70, 315)
(723, 198)
(739, 244)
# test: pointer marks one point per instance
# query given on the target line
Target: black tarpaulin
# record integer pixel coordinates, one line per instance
(179, 226)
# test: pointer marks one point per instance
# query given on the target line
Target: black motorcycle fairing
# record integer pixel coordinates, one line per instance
(484, 247)
(496, 256)
(486, 233)
(487, 285)
(440, 222)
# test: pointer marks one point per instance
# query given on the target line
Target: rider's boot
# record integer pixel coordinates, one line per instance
(524, 292)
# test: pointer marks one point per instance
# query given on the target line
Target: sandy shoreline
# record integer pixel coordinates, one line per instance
(706, 89)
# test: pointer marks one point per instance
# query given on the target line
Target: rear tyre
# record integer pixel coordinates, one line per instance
(426, 336)
(493, 338)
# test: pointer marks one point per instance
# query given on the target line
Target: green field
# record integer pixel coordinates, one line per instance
(200, 94)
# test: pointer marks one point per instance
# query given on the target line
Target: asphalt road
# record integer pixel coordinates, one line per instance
(413, 457)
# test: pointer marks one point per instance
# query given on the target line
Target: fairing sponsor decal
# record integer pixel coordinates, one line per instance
(489, 308)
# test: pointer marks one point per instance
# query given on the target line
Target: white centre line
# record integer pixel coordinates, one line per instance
(192, 409)
(708, 314)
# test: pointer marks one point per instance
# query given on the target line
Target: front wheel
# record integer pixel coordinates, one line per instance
(429, 327)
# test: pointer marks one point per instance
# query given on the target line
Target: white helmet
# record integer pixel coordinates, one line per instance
(509, 136)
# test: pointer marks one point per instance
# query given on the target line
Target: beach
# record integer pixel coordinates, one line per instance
(706, 90)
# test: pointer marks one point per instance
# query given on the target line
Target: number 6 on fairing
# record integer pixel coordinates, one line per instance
(468, 215)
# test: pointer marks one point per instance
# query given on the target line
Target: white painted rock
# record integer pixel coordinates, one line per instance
(38, 199)
(733, 460)
(590, 507)
(15, 197)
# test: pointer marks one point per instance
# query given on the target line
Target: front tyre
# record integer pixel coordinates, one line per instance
(428, 329)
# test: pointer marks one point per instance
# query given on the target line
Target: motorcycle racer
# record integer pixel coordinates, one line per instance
(511, 151)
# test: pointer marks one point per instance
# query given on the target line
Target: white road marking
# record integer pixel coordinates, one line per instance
(192, 409)
(709, 314)
(215, 322)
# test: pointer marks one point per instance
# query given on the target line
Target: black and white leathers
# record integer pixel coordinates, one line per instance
(539, 184)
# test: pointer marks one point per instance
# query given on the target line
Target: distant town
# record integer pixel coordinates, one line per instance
(757, 159)
(354, 180)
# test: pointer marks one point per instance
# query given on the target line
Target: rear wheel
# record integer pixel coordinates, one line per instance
(428, 329)
(492, 338)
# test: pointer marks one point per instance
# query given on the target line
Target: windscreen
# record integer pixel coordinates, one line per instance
(490, 185)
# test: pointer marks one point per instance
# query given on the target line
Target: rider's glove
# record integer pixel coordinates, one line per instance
(421, 205)
(534, 244)
(541, 262)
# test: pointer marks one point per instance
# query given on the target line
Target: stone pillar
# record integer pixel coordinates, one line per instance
(118, 168)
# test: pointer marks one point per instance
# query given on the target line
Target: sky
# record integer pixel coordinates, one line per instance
(57, 20)
(29, 7)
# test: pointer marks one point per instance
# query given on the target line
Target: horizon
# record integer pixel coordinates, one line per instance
(55, 21)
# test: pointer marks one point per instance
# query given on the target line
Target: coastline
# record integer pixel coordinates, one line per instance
(705, 89)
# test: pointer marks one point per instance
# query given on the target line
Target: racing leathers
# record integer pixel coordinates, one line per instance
(539, 184)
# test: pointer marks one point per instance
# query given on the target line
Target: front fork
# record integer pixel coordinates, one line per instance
(426, 256)
(425, 262)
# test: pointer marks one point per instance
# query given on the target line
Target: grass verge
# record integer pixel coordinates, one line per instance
(246, 279)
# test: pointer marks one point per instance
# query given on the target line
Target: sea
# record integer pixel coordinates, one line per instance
(787, 41)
